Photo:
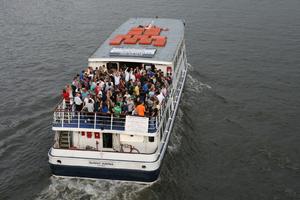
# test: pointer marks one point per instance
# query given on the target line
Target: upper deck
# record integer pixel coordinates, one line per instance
(129, 95)
(172, 30)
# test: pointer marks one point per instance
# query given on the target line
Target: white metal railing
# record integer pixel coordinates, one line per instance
(67, 118)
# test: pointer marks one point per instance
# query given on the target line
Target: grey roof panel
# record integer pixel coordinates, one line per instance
(175, 34)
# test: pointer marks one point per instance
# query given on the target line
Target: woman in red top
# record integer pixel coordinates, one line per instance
(66, 95)
(138, 75)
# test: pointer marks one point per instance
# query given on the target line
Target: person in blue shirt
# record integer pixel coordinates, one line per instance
(81, 76)
(145, 87)
(104, 108)
(84, 93)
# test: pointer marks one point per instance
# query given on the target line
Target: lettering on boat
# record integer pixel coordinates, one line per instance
(147, 53)
(101, 163)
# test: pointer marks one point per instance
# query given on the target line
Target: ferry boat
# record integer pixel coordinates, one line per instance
(122, 143)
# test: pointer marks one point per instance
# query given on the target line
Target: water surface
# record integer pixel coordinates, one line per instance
(236, 135)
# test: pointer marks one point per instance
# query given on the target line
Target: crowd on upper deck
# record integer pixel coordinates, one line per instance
(135, 90)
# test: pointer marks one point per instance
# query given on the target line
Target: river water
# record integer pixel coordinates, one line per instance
(237, 132)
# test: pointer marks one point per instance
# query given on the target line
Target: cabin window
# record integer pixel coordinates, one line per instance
(107, 140)
(151, 139)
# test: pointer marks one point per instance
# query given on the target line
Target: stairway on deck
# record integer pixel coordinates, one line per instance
(64, 140)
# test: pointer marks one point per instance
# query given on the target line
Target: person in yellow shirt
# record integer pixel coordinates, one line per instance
(137, 91)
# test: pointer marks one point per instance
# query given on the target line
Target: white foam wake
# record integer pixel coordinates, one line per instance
(74, 188)
(195, 84)
(175, 139)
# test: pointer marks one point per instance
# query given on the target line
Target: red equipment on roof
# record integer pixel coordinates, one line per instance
(145, 40)
(136, 31)
(141, 35)
(131, 40)
(153, 31)
(159, 41)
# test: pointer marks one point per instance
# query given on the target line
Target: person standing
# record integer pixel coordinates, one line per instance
(117, 79)
(66, 99)
(140, 109)
(130, 105)
(89, 107)
(127, 75)
(78, 102)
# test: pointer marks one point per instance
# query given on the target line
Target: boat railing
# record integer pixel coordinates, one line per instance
(66, 117)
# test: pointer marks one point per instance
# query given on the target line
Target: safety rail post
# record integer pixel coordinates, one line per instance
(95, 120)
(158, 115)
(78, 121)
(69, 117)
(172, 104)
(111, 121)
(149, 124)
(69, 141)
(62, 119)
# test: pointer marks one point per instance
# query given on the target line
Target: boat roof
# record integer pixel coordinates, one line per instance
(171, 29)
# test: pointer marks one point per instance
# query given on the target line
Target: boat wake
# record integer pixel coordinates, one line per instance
(175, 139)
(193, 84)
(74, 188)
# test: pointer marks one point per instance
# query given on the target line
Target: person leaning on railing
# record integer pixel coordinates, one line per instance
(140, 109)
(89, 108)
(66, 98)
(117, 109)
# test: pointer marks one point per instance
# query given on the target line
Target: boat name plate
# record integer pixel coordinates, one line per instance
(132, 52)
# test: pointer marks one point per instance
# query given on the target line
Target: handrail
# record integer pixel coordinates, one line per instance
(65, 118)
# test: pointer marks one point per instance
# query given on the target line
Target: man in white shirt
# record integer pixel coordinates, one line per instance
(89, 106)
(126, 75)
(160, 97)
(87, 99)
(78, 102)
(117, 78)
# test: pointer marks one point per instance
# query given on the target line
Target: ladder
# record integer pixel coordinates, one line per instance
(64, 141)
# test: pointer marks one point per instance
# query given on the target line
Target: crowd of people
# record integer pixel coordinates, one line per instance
(138, 90)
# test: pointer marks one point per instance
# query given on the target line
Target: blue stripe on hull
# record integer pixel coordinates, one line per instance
(105, 173)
